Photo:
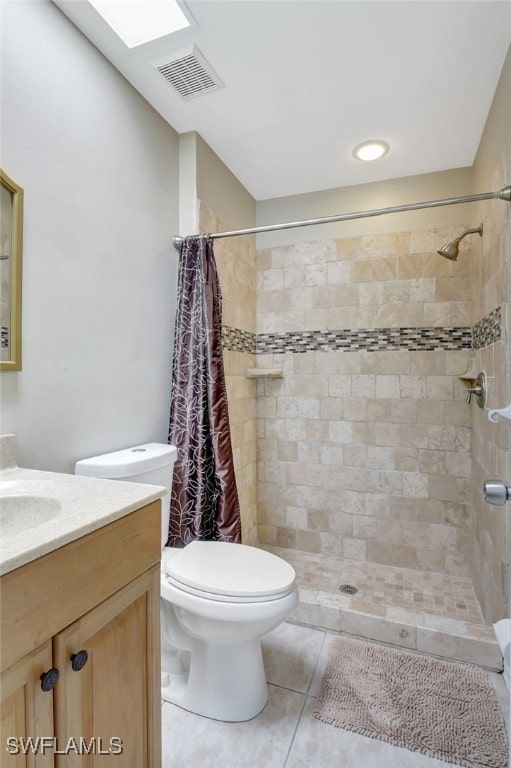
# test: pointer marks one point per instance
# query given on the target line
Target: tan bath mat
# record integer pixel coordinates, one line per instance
(440, 708)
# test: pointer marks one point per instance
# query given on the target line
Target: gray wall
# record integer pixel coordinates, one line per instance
(364, 197)
(221, 191)
(496, 137)
(100, 172)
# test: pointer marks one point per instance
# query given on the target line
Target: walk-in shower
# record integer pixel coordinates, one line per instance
(363, 442)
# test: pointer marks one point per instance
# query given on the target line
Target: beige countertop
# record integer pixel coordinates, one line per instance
(42, 511)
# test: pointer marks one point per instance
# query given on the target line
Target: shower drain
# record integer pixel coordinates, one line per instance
(348, 589)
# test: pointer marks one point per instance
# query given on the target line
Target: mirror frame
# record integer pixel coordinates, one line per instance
(16, 234)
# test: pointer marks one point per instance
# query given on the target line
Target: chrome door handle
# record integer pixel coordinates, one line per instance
(496, 492)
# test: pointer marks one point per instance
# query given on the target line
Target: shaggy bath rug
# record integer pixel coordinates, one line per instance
(440, 708)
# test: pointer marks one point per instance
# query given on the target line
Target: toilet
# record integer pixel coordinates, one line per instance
(217, 600)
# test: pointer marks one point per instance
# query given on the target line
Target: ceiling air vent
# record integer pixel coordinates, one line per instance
(189, 73)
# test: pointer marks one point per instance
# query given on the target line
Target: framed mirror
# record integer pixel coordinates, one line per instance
(11, 245)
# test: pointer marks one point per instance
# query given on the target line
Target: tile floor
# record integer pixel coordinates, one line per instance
(286, 734)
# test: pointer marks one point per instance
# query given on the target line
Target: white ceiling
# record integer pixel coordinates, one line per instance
(307, 80)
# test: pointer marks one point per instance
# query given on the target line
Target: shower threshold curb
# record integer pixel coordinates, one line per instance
(477, 644)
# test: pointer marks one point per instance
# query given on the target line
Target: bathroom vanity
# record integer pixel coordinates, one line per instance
(80, 638)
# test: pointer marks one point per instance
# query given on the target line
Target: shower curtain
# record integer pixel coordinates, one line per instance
(204, 499)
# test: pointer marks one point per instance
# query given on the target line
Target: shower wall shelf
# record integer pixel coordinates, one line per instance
(471, 373)
(265, 373)
(500, 415)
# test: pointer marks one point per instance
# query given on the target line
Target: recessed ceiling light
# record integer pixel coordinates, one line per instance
(139, 21)
(371, 150)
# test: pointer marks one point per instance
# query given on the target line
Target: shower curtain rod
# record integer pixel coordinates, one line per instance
(503, 194)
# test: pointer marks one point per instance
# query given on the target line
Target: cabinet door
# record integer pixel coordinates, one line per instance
(111, 708)
(27, 712)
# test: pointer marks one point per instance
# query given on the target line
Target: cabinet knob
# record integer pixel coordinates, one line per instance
(49, 679)
(79, 660)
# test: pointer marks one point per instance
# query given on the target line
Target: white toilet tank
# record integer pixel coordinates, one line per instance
(152, 463)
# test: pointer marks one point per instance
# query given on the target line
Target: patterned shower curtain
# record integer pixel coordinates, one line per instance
(204, 499)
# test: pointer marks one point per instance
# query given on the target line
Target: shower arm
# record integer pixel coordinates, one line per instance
(502, 194)
(477, 230)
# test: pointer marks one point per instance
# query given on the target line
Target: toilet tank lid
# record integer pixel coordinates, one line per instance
(128, 462)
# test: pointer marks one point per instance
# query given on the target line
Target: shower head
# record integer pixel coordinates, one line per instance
(450, 250)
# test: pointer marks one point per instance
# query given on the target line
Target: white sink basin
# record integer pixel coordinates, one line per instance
(20, 512)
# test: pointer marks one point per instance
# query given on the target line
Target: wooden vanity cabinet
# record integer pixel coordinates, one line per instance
(26, 709)
(91, 611)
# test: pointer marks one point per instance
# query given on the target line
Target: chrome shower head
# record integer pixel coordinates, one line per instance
(450, 250)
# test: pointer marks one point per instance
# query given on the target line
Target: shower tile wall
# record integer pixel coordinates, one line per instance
(366, 454)
(491, 275)
(236, 260)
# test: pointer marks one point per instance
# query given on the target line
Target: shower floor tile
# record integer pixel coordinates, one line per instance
(433, 612)
(435, 593)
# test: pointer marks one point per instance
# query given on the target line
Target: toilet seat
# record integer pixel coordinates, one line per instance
(227, 572)
(213, 597)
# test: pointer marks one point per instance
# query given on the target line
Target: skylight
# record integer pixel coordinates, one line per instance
(139, 21)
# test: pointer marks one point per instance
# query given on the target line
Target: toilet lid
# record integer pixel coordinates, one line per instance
(223, 568)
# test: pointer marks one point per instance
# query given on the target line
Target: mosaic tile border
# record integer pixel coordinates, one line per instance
(236, 340)
(487, 331)
(376, 339)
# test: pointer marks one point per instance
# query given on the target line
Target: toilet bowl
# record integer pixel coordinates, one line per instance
(218, 600)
